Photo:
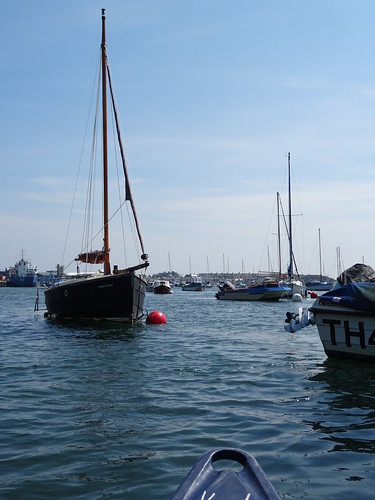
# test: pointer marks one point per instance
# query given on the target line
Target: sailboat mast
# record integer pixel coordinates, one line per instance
(107, 267)
(290, 270)
(320, 257)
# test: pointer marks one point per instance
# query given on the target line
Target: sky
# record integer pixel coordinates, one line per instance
(212, 95)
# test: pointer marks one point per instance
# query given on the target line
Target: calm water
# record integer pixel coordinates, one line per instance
(91, 410)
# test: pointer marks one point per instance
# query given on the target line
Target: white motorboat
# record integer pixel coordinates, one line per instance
(162, 287)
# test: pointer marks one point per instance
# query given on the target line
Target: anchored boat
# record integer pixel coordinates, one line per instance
(195, 284)
(345, 316)
(115, 294)
(162, 287)
(267, 291)
(23, 274)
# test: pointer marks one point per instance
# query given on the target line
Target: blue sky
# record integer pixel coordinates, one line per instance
(212, 95)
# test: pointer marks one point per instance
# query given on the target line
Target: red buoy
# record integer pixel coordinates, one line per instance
(313, 295)
(156, 318)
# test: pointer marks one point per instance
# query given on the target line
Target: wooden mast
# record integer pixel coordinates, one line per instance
(107, 267)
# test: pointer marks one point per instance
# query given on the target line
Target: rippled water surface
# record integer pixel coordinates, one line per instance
(96, 410)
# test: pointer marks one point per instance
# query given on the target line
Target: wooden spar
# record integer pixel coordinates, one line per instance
(107, 267)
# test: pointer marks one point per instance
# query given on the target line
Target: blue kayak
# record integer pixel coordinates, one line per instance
(208, 480)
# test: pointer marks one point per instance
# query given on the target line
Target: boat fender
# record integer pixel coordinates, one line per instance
(313, 295)
(156, 318)
(297, 297)
(297, 321)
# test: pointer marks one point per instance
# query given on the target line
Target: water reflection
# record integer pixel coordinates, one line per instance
(345, 414)
(95, 330)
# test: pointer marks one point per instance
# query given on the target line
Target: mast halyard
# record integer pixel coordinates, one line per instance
(107, 267)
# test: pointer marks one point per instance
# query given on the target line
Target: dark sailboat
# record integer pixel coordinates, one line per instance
(114, 295)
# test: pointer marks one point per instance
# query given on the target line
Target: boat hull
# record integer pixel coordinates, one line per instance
(345, 333)
(319, 286)
(162, 289)
(20, 281)
(255, 293)
(295, 287)
(117, 297)
(193, 287)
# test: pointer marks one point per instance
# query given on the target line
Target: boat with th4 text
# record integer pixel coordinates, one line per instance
(344, 316)
(104, 293)
(23, 274)
(162, 287)
(268, 291)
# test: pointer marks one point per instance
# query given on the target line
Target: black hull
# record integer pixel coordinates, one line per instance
(117, 297)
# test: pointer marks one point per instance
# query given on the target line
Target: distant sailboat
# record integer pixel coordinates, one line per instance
(118, 294)
(319, 285)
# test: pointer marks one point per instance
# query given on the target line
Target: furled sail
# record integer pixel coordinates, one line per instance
(93, 257)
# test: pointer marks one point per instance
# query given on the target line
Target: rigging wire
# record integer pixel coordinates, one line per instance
(79, 166)
(85, 249)
(88, 226)
(265, 245)
(132, 225)
(132, 216)
(128, 193)
(288, 235)
(119, 189)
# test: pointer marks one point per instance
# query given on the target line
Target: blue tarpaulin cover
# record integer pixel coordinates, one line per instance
(359, 296)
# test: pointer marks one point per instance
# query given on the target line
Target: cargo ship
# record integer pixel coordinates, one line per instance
(23, 274)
